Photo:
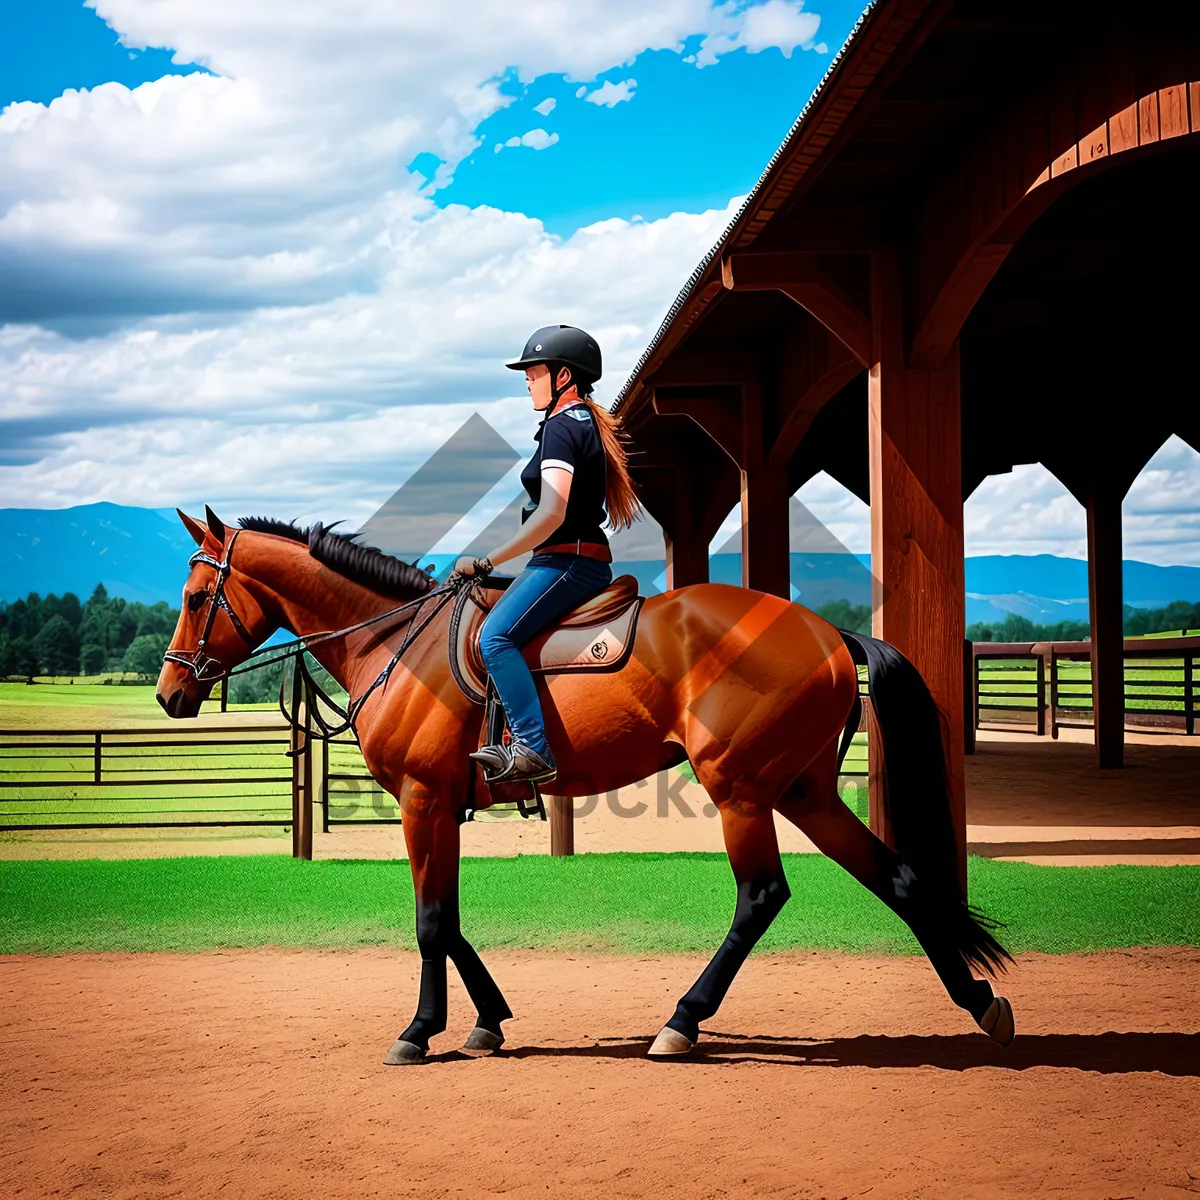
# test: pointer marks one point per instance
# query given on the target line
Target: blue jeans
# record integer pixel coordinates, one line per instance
(549, 588)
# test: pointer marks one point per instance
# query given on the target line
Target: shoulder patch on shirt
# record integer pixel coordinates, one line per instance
(578, 414)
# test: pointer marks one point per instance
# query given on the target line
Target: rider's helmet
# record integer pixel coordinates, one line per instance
(562, 345)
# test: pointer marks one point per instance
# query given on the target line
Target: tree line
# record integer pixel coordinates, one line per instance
(1178, 615)
(56, 635)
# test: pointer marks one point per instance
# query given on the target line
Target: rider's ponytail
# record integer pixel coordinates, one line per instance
(620, 499)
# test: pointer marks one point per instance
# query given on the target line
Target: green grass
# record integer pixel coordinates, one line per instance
(87, 702)
(636, 903)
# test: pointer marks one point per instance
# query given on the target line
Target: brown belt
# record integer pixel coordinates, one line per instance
(587, 549)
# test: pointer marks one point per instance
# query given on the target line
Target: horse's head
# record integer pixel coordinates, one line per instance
(220, 622)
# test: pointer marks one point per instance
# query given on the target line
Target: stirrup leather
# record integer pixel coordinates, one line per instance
(498, 738)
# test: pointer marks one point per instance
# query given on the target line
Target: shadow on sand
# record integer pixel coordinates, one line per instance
(1106, 1053)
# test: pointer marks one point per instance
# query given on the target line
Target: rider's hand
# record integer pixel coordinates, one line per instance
(465, 565)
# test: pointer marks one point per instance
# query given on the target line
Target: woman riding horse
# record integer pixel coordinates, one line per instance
(577, 470)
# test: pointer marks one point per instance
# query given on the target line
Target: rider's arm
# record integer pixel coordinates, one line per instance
(544, 520)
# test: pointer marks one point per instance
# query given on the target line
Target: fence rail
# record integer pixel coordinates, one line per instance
(1160, 683)
(145, 778)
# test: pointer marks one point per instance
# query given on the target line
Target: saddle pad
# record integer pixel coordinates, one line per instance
(597, 636)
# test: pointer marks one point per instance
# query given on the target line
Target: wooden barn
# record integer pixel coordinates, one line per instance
(977, 247)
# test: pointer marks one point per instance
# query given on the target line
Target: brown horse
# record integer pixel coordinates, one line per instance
(756, 692)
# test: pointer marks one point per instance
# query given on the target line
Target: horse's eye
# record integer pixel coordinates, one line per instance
(196, 601)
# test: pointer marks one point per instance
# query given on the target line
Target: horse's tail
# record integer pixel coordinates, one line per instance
(917, 795)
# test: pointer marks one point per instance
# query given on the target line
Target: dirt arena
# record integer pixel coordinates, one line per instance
(258, 1073)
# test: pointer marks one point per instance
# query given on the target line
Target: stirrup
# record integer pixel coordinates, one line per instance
(525, 765)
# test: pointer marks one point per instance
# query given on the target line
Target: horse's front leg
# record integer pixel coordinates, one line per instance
(433, 850)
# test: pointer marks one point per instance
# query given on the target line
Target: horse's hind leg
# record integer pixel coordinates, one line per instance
(762, 891)
(812, 803)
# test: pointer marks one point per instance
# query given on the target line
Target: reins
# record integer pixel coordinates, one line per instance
(201, 664)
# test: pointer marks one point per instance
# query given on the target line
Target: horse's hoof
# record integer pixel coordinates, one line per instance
(670, 1043)
(403, 1053)
(998, 1022)
(481, 1042)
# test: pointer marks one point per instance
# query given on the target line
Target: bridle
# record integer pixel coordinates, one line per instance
(204, 667)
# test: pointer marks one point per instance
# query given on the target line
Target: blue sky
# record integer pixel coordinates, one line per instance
(689, 138)
(277, 274)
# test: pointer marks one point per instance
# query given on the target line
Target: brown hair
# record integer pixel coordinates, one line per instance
(620, 499)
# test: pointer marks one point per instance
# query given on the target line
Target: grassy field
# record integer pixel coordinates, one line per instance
(87, 702)
(666, 903)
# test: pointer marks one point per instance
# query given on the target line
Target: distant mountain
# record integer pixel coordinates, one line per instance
(1048, 589)
(142, 553)
(137, 553)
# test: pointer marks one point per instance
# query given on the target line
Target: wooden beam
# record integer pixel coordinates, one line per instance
(718, 420)
(801, 279)
(799, 420)
(917, 522)
(718, 368)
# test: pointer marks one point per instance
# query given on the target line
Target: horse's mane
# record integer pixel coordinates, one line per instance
(382, 573)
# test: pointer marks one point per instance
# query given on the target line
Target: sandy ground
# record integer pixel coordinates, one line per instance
(259, 1074)
(1027, 798)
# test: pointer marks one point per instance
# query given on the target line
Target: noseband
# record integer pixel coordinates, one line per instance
(204, 667)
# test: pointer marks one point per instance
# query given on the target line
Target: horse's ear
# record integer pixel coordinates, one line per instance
(193, 527)
(215, 525)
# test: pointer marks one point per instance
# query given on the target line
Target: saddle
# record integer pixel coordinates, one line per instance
(597, 636)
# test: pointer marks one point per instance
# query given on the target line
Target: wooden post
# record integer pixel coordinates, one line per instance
(914, 419)
(970, 696)
(1054, 693)
(562, 825)
(687, 550)
(302, 786)
(1041, 695)
(1189, 693)
(765, 551)
(1105, 601)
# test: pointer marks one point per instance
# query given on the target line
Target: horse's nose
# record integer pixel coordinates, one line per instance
(170, 705)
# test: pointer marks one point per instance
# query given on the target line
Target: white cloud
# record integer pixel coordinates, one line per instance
(228, 287)
(324, 410)
(546, 107)
(611, 94)
(536, 139)
(779, 23)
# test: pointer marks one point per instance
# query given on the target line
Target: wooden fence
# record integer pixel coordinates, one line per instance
(1160, 683)
(265, 775)
(144, 778)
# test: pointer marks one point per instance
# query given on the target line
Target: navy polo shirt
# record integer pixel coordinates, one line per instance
(570, 440)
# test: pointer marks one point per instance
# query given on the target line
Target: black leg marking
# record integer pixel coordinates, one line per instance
(481, 987)
(758, 904)
(931, 921)
(438, 938)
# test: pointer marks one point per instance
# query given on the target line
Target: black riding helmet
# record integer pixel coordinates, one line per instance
(566, 346)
